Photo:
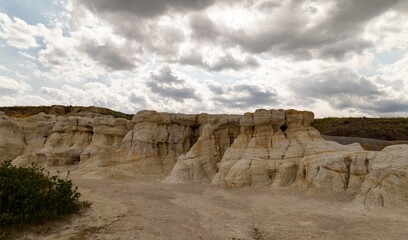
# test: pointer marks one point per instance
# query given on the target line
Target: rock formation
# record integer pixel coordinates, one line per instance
(269, 148)
(200, 162)
(159, 138)
(11, 139)
(36, 130)
(386, 180)
(276, 148)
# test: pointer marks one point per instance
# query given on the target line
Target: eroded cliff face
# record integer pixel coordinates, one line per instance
(11, 139)
(386, 179)
(271, 149)
(276, 148)
(217, 133)
(159, 138)
(36, 130)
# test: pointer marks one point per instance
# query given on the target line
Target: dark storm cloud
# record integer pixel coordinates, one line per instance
(5, 91)
(269, 5)
(348, 15)
(165, 75)
(203, 28)
(339, 49)
(145, 8)
(136, 99)
(214, 87)
(388, 106)
(166, 83)
(192, 58)
(344, 89)
(243, 95)
(226, 62)
(110, 56)
(333, 83)
(229, 62)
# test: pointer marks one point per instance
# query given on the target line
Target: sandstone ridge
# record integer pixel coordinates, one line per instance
(276, 148)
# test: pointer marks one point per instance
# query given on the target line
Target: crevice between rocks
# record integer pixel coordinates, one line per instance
(347, 161)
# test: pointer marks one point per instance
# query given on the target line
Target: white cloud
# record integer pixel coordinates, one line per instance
(11, 87)
(4, 68)
(92, 94)
(386, 31)
(32, 100)
(18, 33)
(24, 54)
(156, 54)
(397, 71)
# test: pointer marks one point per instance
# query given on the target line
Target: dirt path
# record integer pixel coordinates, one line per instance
(144, 208)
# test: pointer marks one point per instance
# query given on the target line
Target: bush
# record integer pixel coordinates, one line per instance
(30, 195)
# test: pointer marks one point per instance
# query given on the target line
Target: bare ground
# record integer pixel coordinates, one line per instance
(144, 208)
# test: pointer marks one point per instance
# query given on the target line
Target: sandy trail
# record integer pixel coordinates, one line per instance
(144, 208)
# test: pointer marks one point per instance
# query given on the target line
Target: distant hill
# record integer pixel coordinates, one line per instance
(389, 129)
(26, 111)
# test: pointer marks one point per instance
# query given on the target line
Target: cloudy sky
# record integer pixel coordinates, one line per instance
(336, 58)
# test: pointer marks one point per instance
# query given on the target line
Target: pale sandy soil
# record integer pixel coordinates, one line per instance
(144, 208)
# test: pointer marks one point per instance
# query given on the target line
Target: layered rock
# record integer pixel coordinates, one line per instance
(386, 181)
(274, 148)
(335, 171)
(107, 149)
(377, 178)
(36, 129)
(70, 136)
(270, 147)
(159, 139)
(65, 141)
(107, 139)
(11, 139)
(200, 162)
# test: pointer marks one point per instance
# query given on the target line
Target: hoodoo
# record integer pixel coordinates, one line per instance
(276, 148)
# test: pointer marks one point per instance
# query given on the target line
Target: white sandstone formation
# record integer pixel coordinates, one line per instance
(276, 148)
(36, 129)
(159, 139)
(11, 139)
(106, 148)
(200, 162)
(386, 180)
(107, 139)
(70, 136)
(270, 148)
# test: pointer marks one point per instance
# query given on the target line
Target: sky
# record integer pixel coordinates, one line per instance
(333, 57)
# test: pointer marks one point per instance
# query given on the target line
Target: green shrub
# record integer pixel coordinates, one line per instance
(30, 195)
